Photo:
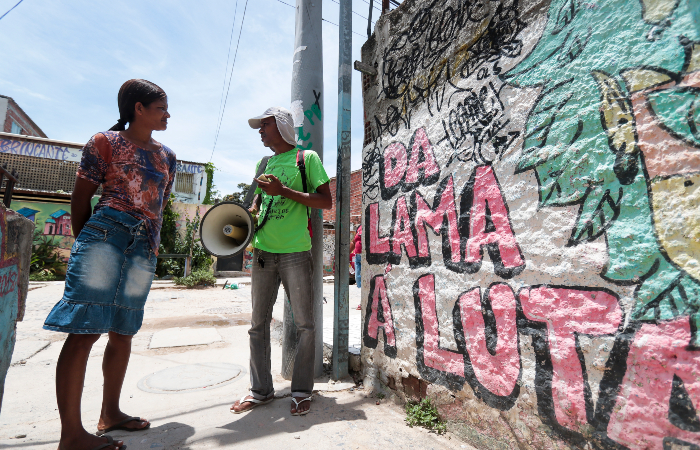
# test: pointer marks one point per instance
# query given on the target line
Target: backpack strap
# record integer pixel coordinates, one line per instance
(254, 185)
(302, 170)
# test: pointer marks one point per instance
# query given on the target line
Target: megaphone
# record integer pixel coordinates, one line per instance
(226, 229)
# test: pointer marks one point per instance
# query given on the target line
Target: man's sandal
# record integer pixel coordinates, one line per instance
(297, 403)
(253, 402)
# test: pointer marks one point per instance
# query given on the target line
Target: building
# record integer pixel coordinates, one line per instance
(329, 219)
(58, 224)
(14, 120)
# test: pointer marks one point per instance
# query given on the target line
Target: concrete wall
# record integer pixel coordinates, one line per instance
(531, 194)
(15, 257)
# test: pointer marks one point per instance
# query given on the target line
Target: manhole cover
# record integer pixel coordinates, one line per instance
(190, 377)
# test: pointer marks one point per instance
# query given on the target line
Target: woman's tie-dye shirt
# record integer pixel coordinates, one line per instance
(134, 180)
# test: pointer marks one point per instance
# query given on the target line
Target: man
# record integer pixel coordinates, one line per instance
(282, 253)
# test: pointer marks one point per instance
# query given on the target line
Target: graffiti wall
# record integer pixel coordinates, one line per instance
(532, 218)
(53, 219)
(15, 256)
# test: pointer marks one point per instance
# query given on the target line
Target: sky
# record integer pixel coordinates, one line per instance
(63, 63)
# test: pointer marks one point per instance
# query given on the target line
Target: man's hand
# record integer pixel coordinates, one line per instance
(273, 187)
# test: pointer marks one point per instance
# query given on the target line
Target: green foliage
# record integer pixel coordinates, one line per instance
(424, 414)
(43, 275)
(44, 256)
(176, 244)
(197, 278)
(168, 230)
(212, 193)
(238, 196)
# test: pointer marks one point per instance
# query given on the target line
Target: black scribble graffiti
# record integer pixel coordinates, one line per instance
(370, 174)
(475, 128)
(419, 65)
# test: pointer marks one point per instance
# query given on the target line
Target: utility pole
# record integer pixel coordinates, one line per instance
(342, 196)
(307, 108)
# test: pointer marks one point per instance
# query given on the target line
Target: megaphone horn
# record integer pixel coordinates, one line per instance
(226, 229)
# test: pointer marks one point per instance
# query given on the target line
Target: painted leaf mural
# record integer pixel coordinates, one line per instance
(598, 136)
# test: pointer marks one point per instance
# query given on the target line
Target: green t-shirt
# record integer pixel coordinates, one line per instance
(286, 228)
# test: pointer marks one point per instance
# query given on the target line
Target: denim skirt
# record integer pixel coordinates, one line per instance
(109, 275)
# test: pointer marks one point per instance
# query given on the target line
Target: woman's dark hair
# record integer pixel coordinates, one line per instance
(132, 92)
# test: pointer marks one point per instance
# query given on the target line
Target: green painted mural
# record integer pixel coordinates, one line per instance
(615, 130)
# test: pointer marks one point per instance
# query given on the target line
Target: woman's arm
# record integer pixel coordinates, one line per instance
(80, 204)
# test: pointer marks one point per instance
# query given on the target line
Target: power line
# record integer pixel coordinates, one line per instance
(8, 11)
(240, 31)
(223, 87)
(362, 36)
(334, 1)
(378, 9)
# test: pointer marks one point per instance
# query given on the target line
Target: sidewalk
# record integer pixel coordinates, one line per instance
(186, 391)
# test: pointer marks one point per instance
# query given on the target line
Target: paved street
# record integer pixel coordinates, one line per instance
(185, 390)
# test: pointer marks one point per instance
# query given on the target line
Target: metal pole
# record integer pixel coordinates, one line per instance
(369, 19)
(342, 196)
(307, 107)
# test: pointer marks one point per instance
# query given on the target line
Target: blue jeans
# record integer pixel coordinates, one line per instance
(294, 271)
(358, 270)
(109, 275)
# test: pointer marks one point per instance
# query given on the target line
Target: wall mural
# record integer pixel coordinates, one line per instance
(600, 101)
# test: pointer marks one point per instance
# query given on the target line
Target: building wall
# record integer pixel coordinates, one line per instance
(12, 112)
(532, 219)
(48, 165)
(355, 200)
(15, 257)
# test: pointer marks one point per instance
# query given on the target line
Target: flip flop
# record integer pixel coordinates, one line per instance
(254, 401)
(120, 426)
(297, 403)
(109, 443)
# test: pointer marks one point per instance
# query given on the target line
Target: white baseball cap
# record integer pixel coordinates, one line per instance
(285, 122)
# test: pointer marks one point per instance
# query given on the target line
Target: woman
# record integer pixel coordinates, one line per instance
(112, 262)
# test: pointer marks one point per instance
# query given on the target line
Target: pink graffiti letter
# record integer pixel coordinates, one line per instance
(395, 160)
(402, 234)
(380, 300)
(657, 354)
(487, 194)
(568, 311)
(497, 372)
(435, 218)
(434, 356)
(377, 244)
(421, 150)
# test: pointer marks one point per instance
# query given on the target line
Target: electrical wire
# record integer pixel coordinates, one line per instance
(8, 11)
(240, 31)
(228, 56)
(362, 36)
(356, 13)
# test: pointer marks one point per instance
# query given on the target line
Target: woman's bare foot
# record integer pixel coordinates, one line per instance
(107, 421)
(86, 441)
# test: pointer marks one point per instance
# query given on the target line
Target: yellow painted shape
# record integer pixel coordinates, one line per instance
(677, 220)
(618, 120)
(657, 10)
(640, 79)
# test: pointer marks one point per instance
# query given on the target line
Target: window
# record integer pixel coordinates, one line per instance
(16, 129)
(184, 183)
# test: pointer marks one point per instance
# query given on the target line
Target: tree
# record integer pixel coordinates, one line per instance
(238, 196)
